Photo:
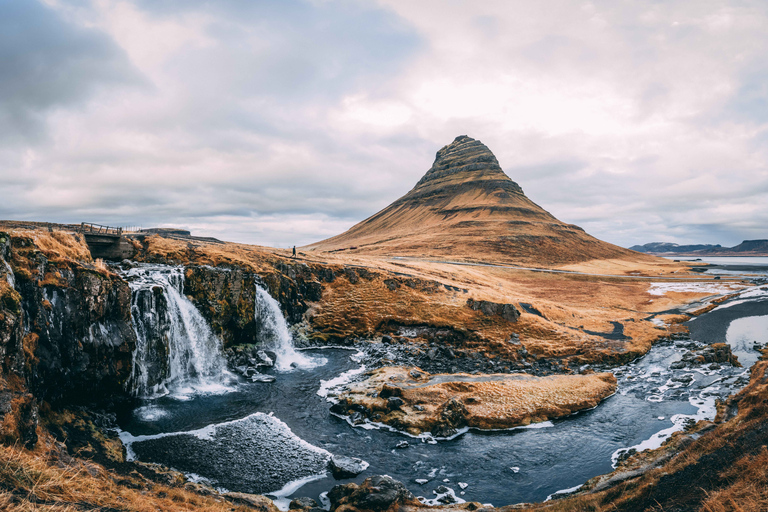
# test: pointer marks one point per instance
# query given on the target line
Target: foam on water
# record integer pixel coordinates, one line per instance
(706, 410)
(280, 497)
(332, 385)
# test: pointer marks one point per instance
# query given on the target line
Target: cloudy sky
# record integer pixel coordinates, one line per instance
(282, 122)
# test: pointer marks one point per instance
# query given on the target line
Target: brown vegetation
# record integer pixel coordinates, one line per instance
(49, 479)
(432, 403)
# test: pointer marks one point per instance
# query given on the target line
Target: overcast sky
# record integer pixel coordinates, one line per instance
(284, 122)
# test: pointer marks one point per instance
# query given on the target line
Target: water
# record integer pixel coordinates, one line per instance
(276, 335)
(562, 454)
(272, 438)
(176, 351)
(725, 260)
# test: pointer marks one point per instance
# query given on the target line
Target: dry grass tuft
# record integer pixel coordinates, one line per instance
(41, 481)
(58, 246)
(749, 491)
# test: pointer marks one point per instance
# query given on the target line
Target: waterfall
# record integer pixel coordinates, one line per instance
(277, 337)
(176, 351)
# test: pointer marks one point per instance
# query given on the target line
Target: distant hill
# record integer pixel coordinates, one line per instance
(465, 207)
(665, 247)
(745, 248)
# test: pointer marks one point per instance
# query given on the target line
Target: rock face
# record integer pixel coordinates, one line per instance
(78, 338)
(225, 297)
(466, 207)
(415, 401)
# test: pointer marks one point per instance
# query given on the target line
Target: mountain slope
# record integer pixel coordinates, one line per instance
(466, 208)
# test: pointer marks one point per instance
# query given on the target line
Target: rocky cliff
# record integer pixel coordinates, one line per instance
(78, 338)
(466, 207)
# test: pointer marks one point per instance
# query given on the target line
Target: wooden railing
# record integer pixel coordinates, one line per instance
(97, 229)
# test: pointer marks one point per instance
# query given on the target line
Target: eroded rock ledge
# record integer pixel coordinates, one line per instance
(412, 400)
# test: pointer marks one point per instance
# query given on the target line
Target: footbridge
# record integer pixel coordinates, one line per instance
(106, 242)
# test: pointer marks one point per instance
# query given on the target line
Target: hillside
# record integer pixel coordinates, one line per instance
(466, 208)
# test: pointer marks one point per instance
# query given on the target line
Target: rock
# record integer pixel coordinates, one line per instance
(377, 493)
(443, 431)
(346, 467)
(265, 359)
(715, 353)
(394, 402)
(421, 481)
(340, 492)
(253, 501)
(507, 311)
(302, 503)
(417, 374)
(388, 390)
(402, 445)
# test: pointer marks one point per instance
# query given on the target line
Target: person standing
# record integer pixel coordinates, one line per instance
(294, 251)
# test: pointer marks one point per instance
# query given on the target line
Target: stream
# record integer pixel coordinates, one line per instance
(275, 438)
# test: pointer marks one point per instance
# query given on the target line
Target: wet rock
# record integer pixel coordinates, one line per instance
(264, 358)
(402, 445)
(260, 377)
(346, 467)
(443, 431)
(377, 493)
(715, 353)
(302, 503)
(394, 403)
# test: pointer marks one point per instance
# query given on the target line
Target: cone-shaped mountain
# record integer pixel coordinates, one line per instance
(465, 207)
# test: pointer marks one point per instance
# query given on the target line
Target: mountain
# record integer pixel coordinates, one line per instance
(665, 247)
(745, 248)
(466, 208)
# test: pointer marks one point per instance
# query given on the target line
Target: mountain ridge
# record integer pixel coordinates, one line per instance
(757, 247)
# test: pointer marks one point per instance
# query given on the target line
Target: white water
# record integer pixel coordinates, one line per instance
(278, 337)
(176, 350)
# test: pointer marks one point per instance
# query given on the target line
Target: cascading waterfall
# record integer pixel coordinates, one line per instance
(277, 337)
(176, 350)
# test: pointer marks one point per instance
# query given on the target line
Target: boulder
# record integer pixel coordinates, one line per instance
(346, 467)
(377, 493)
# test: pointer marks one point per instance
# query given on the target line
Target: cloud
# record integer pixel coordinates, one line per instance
(284, 122)
(46, 63)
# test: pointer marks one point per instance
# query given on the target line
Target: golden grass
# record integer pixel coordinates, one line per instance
(58, 246)
(491, 401)
(41, 481)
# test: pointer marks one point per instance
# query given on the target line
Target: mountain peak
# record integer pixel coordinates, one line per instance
(466, 160)
(465, 207)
